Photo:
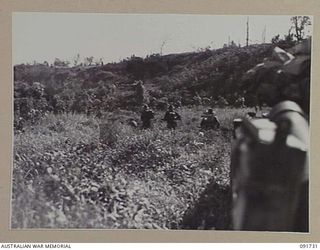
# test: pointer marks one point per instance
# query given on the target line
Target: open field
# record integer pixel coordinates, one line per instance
(64, 178)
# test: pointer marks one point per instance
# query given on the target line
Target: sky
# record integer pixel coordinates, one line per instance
(39, 36)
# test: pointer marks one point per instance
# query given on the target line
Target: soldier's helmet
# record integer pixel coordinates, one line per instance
(145, 107)
(210, 111)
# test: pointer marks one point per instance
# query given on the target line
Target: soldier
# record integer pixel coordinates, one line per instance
(146, 116)
(239, 102)
(269, 163)
(140, 92)
(222, 102)
(171, 118)
(197, 99)
(210, 120)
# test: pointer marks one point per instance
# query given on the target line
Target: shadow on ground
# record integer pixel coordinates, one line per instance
(212, 211)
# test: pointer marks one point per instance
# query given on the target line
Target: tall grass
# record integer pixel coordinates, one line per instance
(64, 177)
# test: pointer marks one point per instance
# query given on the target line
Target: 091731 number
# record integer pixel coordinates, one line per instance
(308, 245)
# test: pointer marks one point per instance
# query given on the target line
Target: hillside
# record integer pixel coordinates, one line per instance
(184, 78)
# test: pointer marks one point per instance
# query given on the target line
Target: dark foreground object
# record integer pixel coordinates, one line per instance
(212, 211)
(269, 172)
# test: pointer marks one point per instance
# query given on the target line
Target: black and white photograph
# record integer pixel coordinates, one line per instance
(161, 121)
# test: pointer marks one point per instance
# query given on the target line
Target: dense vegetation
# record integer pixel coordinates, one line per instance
(66, 176)
(185, 78)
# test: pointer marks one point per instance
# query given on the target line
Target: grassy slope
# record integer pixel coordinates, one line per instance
(210, 73)
(63, 178)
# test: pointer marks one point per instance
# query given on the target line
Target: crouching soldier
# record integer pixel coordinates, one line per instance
(171, 118)
(146, 116)
(209, 120)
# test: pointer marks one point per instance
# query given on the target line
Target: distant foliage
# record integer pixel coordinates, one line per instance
(296, 33)
(299, 26)
(60, 63)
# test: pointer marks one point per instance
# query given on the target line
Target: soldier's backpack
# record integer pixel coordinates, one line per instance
(269, 171)
(171, 116)
(210, 122)
(147, 115)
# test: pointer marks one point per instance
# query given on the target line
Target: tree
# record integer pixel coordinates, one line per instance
(60, 63)
(66, 63)
(299, 26)
(287, 41)
(89, 60)
(161, 47)
(233, 44)
(275, 39)
(289, 38)
(76, 60)
(99, 62)
(57, 62)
